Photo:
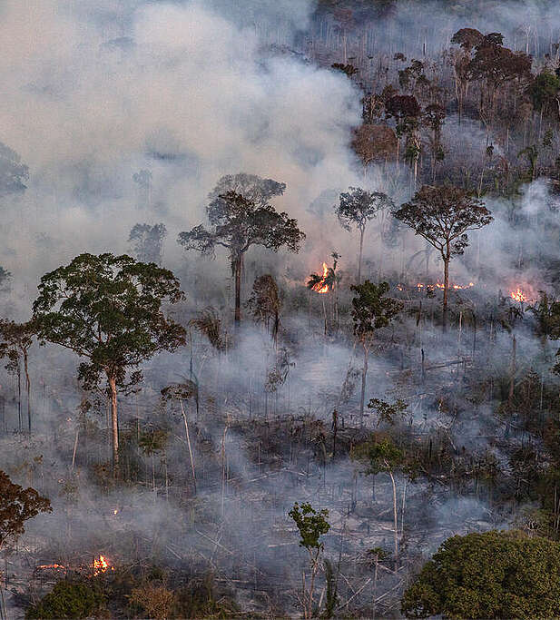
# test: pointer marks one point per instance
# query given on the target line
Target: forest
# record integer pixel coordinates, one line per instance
(280, 309)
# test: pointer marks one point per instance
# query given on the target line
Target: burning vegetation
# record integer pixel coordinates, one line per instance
(216, 432)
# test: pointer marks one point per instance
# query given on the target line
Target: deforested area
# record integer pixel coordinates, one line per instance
(279, 309)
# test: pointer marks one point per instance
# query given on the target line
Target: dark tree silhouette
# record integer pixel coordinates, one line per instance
(15, 341)
(443, 215)
(238, 223)
(148, 242)
(356, 208)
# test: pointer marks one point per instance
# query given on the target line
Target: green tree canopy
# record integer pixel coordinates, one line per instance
(489, 575)
(108, 310)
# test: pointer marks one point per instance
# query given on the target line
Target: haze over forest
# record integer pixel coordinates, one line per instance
(279, 309)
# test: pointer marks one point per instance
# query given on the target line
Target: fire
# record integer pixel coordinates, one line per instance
(440, 285)
(51, 567)
(518, 295)
(322, 287)
(100, 565)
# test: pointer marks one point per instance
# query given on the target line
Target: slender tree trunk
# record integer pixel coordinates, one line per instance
(395, 520)
(114, 422)
(189, 445)
(28, 388)
(20, 422)
(238, 268)
(362, 231)
(446, 259)
(364, 376)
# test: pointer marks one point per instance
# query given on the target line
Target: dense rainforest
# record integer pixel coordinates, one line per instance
(280, 309)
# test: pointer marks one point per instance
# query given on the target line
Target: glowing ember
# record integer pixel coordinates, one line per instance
(100, 565)
(440, 285)
(518, 295)
(116, 511)
(322, 287)
(51, 567)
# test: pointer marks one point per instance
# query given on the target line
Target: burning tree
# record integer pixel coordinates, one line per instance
(239, 223)
(108, 310)
(324, 283)
(443, 215)
(356, 208)
(371, 310)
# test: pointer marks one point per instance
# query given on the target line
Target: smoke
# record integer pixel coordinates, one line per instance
(129, 112)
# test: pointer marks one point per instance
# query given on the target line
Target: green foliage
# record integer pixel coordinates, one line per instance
(379, 455)
(331, 597)
(201, 599)
(17, 505)
(311, 524)
(489, 575)
(388, 413)
(543, 90)
(371, 310)
(68, 599)
(108, 309)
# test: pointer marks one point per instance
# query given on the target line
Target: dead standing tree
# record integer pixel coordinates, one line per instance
(15, 341)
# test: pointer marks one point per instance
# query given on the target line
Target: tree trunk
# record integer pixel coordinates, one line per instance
(189, 445)
(446, 259)
(114, 422)
(238, 268)
(362, 231)
(395, 520)
(363, 392)
(28, 388)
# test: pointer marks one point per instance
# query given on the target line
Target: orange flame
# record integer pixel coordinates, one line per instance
(51, 566)
(440, 285)
(100, 565)
(518, 295)
(322, 287)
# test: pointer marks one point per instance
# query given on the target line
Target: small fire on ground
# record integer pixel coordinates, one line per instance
(100, 565)
(440, 285)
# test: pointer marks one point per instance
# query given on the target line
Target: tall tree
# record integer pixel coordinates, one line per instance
(148, 242)
(443, 215)
(108, 310)
(238, 223)
(356, 208)
(15, 341)
(371, 310)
